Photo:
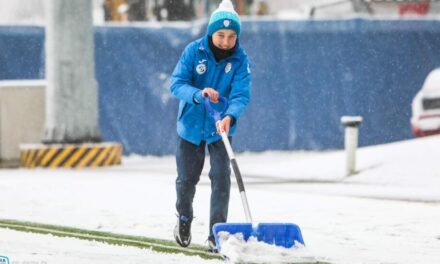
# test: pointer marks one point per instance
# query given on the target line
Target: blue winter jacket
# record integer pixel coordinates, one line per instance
(198, 69)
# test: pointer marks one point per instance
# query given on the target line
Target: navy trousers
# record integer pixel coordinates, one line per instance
(190, 159)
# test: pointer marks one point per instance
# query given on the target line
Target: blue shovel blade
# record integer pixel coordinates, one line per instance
(278, 234)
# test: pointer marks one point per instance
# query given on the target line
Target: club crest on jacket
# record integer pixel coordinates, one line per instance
(201, 68)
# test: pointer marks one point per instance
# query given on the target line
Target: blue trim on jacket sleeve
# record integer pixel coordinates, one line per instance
(198, 98)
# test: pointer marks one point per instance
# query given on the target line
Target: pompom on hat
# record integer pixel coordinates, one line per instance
(224, 17)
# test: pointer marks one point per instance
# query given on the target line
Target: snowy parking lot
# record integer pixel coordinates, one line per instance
(387, 213)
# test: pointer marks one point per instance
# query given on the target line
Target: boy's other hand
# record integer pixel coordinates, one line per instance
(212, 94)
(224, 125)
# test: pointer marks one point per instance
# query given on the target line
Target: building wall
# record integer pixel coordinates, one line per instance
(22, 111)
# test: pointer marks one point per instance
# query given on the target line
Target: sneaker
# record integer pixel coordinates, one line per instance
(182, 231)
(212, 245)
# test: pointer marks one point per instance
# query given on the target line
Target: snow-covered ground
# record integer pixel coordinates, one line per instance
(387, 213)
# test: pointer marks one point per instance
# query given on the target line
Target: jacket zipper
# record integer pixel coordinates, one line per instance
(213, 82)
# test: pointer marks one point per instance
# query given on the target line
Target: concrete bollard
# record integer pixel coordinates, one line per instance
(351, 124)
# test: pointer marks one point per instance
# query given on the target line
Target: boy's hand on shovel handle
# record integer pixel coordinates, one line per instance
(212, 94)
(224, 125)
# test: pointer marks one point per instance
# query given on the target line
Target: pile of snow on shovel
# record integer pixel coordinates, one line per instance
(238, 250)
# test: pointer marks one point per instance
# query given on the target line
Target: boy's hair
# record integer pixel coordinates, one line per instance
(224, 17)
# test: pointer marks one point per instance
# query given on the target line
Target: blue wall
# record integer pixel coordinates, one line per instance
(21, 53)
(306, 75)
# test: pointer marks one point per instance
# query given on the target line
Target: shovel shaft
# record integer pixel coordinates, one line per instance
(238, 177)
(217, 117)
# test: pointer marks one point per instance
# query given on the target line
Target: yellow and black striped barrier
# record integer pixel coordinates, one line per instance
(70, 155)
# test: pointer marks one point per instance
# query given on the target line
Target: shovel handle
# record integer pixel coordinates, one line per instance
(217, 115)
(237, 173)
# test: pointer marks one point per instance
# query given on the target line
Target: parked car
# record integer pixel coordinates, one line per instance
(425, 118)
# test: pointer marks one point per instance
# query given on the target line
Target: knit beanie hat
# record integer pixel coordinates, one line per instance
(224, 17)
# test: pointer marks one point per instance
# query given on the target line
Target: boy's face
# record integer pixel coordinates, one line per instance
(224, 39)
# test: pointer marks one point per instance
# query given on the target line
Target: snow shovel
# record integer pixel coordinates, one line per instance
(279, 234)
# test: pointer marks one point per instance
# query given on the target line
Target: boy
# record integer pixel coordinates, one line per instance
(212, 66)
